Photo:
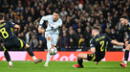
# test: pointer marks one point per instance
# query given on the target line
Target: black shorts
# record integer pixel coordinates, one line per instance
(95, 57)
(14, 43)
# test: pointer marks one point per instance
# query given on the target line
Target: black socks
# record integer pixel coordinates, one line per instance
(80, 62)
(126, 55)
(7, 56)
(30, 52)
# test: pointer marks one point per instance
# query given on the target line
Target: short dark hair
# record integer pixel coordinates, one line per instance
(1, 16)
(125, 17)
(56, 11)
(97, 28)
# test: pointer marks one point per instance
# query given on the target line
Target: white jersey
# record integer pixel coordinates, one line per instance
(52, 25)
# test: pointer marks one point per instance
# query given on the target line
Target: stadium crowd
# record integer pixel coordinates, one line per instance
(78, 17)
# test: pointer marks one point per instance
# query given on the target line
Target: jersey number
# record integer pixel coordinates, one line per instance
(102, 43)
(4, 33)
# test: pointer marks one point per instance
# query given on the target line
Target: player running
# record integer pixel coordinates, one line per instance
(125, 28)
(51, 32)
(97, 47)
(10, 40)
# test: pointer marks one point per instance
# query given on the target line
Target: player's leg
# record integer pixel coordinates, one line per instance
(127, 52)
(81, 57)
(54, 40)
(80, 60)
(126, 55)
(51, 43)
(48, 57)
(7, 56)
(30, 52)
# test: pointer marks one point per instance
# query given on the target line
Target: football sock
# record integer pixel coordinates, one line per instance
(7, 56)
(30, 52)
(80, 62)
(48, 58)
(126, 55)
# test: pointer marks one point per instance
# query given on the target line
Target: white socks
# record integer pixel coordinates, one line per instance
(125, 62)
(34, 58)
(10, 63)
(48, 57)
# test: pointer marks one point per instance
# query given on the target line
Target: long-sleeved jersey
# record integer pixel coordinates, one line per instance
(52, 25)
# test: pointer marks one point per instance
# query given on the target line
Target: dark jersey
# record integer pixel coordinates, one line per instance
(126, 29)
(6, 33)
(100, 43)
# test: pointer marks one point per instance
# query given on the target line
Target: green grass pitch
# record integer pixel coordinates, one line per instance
(27, 66)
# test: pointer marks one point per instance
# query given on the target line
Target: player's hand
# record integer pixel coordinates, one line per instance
(41, 30)
(126, 43)
(17, 26)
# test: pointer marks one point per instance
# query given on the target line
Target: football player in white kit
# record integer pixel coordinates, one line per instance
(51, 32)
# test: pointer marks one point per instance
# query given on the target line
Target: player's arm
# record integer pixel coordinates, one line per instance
(117, 43)
(114, 41)
(92, 46)
(40, 28)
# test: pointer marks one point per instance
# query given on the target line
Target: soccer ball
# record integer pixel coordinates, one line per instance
(53, 51)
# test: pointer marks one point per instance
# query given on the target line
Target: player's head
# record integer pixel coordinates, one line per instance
(124, 20)
(55, 15)
(96, 30)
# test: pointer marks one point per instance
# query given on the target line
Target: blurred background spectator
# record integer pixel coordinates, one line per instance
(78, 17)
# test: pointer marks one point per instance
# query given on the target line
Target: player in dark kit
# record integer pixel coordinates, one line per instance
(10, 40)
(125, 29)
(97, 47)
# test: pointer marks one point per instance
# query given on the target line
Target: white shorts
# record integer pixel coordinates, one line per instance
(52, 36)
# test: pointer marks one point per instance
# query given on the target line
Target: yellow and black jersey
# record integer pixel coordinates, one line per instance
(100, 43)
(8, 37)
(6, 32)
(126, 28)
